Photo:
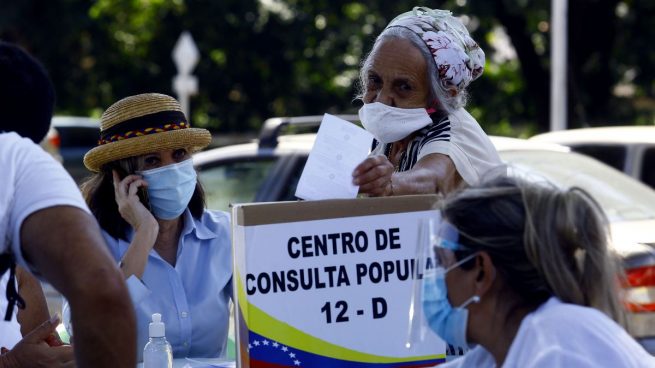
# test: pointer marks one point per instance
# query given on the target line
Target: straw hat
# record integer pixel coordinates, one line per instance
(142, 124)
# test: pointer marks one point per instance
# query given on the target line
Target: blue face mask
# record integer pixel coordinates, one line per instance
(447, 322)
(170, 188)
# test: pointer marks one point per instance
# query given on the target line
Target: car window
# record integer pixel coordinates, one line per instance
(613, 155)
(234, 181)
(648, 167)
(72, 136)
(289, 192)
(621, 197)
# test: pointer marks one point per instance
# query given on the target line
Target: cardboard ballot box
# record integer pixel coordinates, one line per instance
(329, 283)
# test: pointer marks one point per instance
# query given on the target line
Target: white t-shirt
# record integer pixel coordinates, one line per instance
(562, 335)
(30, 180)
(459, 137)
(469, 147)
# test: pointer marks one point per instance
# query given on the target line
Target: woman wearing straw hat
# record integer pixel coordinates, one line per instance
(174, 253)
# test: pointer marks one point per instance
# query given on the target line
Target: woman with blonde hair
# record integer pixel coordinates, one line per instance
(524, 272)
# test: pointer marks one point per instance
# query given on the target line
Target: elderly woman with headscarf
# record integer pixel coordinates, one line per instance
(414, 90)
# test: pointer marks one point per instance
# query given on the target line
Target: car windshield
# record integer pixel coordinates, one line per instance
(622, 198)
(233, 182)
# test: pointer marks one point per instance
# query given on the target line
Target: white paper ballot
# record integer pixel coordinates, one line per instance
(339, 147)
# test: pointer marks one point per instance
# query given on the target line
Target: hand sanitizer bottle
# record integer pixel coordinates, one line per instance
(158, 352)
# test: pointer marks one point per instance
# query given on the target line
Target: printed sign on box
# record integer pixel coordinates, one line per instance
(329, 283)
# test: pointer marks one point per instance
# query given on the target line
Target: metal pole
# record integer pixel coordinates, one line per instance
(558, 56)
(185, 56)
(184, 103)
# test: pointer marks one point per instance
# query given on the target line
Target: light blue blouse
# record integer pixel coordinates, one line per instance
(192, 297)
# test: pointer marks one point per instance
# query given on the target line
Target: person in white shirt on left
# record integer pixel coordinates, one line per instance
(46, 228)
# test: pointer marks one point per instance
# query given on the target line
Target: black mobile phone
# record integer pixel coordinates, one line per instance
(142, 192)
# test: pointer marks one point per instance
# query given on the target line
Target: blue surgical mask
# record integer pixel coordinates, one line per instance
(447, 322)
(170, 188)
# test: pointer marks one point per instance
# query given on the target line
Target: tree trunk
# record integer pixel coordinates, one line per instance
(535, 75)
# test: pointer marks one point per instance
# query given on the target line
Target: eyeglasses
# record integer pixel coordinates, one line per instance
(445, 246)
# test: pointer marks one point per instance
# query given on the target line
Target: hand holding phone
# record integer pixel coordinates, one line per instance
(142, 192)
(135, 212)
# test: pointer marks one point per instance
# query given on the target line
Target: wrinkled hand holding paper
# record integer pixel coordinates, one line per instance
(339, 147)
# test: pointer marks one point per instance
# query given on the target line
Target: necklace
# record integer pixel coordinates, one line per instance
(389, 153)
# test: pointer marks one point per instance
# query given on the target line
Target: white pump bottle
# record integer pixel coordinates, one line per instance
(157, 352)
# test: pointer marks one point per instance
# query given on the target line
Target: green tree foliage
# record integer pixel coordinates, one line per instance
(610, 58)
(263, 58)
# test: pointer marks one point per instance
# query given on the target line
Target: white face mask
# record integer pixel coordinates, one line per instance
(390, 124)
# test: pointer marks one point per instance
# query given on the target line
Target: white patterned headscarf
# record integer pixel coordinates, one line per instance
(458, 57)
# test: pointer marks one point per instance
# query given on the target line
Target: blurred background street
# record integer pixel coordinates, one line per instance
(259, 59)
(265, 58)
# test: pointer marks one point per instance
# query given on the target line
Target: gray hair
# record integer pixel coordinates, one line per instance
(438, 92)
(543, 241)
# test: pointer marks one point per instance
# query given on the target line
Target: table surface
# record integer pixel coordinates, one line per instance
(200, 363)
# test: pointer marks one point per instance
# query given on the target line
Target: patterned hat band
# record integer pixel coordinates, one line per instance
(144, 125)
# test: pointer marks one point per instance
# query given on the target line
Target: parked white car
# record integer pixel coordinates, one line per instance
(268, 170)
(630, 149)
